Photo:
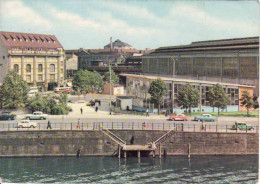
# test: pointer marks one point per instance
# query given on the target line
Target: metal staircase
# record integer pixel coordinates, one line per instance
(112, 136)
(163, 138)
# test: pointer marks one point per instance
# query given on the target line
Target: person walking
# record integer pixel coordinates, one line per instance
(144, 125)
(78, 125)
(81, 110)
(49, 125)
(202, 125)
(147, 112)
(96, 109)
(99, 102)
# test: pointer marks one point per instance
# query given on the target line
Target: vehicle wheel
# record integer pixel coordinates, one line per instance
(31, 126)
(174, 119)
(28, 118)
(9, 119)
(20, 126)
(42, 118)
(186, 119)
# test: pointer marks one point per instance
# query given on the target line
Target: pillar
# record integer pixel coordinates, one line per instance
(200, 97)
(22, 68)
(119, 151)
(34, 71)
(138, 153)
(153, 153)
(188, 150)
(46, 73)
(58, 66)
(160, 151)
(124, 154)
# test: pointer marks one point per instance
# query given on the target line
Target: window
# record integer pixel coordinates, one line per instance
(52, 68)
(28, 68)
(40, 68)
(52, 77)
(40, 77)
(28, 78)
(16, 68)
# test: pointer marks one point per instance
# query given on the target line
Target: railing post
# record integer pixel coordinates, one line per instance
(194, 128)
(112, 125)
(226, 128)
(70, 126)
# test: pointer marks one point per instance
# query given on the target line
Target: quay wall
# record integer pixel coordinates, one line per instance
(95, 143)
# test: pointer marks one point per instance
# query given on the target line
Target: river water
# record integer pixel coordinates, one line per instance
(170, 169)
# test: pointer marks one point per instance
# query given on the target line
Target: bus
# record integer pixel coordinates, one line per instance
(62, 90)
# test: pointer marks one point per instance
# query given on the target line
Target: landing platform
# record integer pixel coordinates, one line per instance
(137, 148)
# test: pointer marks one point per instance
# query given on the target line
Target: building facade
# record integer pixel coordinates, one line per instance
(229, 61)
(138, 86)
(39, 59)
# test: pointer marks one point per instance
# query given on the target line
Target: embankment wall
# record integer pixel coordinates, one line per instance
(95, 143)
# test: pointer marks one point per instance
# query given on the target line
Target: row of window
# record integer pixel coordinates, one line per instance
(29, 68)
(40, 78)
(29, 38)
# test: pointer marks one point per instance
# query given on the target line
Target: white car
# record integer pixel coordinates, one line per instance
(38, 115)
(27, 124)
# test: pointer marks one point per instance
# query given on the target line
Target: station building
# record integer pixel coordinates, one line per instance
(38, 58)
(138, 85)
(230, 61)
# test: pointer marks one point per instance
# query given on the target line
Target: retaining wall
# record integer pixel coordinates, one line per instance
(66, 143)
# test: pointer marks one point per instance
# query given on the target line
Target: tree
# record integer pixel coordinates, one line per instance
(217, 97)
(87, 81)
(246, 101)
(188, 97)
(256, 104)
(157, 90)
(114, 77)
(13, 92)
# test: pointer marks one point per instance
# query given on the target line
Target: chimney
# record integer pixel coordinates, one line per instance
(111, 44)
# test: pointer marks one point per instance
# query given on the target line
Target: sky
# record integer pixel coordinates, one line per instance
(143, 24)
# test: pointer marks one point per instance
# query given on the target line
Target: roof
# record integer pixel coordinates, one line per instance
(184, 80)
(118, 43)
(224, 44)
(108, 50)
(29, 40)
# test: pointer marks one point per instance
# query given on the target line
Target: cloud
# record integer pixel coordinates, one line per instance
(21, 14)
(217, 23)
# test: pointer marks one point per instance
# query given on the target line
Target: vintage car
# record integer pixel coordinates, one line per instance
(181, 117)
(241, 126)
(27, 124)
(205, 117)
(38, 115)
(7, 116)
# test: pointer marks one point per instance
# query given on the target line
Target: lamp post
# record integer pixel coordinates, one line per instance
(110, 107)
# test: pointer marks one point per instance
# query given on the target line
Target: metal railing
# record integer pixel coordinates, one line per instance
(179, 127)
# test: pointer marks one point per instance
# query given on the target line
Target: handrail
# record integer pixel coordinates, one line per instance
(163, 137)
(112, 135)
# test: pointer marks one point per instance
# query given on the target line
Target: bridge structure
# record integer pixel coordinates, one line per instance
(149, 147)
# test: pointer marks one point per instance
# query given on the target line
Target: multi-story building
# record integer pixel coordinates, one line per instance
(116, 53)
(38, 58)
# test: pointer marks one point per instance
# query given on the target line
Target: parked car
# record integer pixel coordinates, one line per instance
(178, 117)
(205, 117)
(241, 126)
(27, 124)
(38, 115)
(7, 116)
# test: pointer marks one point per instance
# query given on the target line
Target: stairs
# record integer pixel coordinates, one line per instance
(164, 137)
(112, 136)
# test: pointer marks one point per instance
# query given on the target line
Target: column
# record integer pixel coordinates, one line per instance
(238, 68)
(22, 69)
(200, 97)
(221, 69)
(138, 153)
(119, 151)
(58, 77)
(173, 88)
(46, 73)
(160, 151)
(34, 71)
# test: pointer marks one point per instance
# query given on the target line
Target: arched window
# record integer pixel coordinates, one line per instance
(16, 68)
(52, 68)
(39, 67)
(28, 68)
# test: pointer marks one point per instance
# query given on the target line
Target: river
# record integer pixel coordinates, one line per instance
(170, 169)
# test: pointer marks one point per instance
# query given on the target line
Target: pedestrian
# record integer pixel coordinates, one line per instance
(96, 109)
(81, 110)
(202, 125)
(132, 139)
(78, 125)
(144, 125)
(49, 125)
(147, 112)
(78, 153)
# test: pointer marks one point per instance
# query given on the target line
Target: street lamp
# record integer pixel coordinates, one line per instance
(109, 65)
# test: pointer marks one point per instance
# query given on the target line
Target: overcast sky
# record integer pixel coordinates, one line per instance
(142, 24)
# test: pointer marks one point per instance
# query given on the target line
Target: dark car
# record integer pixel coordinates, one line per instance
(7, 116)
